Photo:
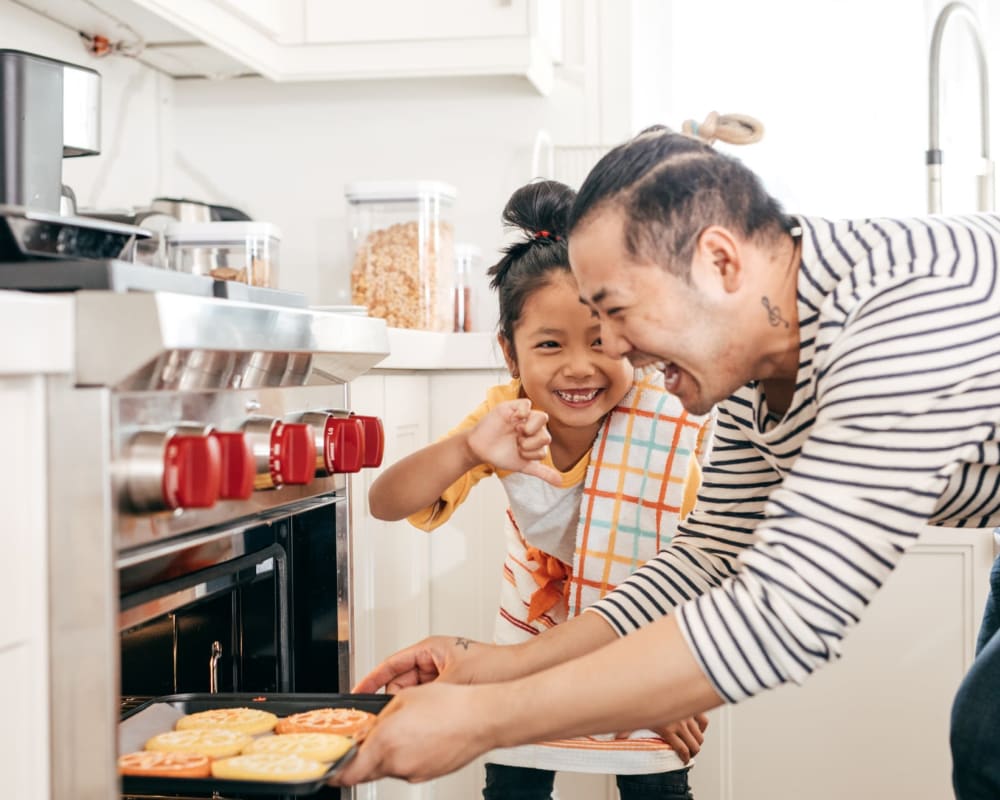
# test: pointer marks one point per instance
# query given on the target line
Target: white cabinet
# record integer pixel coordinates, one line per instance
(390, 20)
(24, 635)
(322, 40)
(875, 724)
(38, 331)
(407, 583)
(267, 16)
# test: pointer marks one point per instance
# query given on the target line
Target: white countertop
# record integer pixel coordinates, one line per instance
(410, 349)
(37, 333)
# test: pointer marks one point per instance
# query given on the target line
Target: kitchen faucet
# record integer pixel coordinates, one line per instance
(985, 177)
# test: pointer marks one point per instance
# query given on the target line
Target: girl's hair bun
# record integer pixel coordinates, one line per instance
(540, 206)
(541, 211)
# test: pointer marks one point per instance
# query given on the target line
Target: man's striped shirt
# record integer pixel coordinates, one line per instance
(895, 422)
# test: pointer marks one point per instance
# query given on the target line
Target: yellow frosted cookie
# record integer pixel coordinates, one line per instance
(245, 720)
(207, 741)
(268, 767)
(314, 746)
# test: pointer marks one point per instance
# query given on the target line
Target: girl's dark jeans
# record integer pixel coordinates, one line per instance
(522, 783)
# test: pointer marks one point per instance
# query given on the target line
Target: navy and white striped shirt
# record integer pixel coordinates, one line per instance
(895, 422)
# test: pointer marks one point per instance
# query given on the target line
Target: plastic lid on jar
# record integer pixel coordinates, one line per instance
(221, 232)
(396, 191)
(467, 252)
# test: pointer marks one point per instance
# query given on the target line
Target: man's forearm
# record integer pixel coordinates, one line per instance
(646, 679)
(573, 638)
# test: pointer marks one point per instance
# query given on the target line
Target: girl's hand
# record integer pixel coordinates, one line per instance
(514, 437)
(684, 737)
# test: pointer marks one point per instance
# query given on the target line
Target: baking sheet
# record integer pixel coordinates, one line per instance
(161, 713)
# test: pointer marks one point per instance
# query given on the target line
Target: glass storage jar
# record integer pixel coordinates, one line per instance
(402, 242)
(227, 251)
(467, 260)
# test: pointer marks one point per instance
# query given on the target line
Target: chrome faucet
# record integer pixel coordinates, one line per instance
(934, 157)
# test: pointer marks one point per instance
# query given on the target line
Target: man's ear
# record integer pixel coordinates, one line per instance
(718, 257)
(508, 354)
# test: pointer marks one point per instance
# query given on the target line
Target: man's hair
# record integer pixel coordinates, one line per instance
(671, 187)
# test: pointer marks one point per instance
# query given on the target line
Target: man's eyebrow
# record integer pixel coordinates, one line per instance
(596, 298)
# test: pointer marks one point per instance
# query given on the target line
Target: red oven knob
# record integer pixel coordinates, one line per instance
(190, 472)
(292, 459)
(349, 444)
(237, 465)
(284, 452)
(374, 440)
(170, 469)
(340, 441)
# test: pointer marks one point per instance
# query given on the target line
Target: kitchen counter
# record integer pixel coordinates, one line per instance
(37, 332)
(429, 350)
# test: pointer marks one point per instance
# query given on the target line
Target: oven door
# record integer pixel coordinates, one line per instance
(258, 607)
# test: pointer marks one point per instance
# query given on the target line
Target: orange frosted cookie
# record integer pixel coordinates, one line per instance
(268, 767)
(342, 721)
(314, 746)
(165, 765)
(245, 720)
(206, 741)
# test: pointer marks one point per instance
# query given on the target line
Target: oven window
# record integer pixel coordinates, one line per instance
(226, 636)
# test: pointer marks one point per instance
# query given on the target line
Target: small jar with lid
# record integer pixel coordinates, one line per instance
(229, 251)
(402, 245)
(467, 265)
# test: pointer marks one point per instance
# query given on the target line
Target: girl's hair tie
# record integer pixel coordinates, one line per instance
(545, 235)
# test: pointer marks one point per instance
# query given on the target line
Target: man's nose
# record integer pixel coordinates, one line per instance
(612, 343)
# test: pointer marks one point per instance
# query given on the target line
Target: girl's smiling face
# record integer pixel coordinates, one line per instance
(563, 369)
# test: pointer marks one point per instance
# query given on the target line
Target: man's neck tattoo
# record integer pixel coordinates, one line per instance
(463, 643)
(773, 313)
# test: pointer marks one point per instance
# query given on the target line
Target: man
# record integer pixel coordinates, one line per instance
(856, 368)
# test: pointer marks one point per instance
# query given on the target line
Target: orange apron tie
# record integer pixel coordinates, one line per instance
(551, 579)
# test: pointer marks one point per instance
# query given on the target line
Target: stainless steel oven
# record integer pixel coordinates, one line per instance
(199, 540)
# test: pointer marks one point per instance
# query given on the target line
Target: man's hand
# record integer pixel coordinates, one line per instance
(514, 437)
(424, 732)
(453, 659)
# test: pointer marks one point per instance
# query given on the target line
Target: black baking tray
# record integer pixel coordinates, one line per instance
(159, 715)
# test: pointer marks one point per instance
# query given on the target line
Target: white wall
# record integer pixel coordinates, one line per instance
(135, 102)
(842, 92)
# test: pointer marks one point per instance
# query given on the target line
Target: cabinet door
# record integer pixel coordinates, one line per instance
(391, 576)
(267, 16)
(24, 690)
(874, 724)
(391, 20)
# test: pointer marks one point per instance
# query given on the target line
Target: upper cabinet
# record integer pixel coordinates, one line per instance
(304, 40)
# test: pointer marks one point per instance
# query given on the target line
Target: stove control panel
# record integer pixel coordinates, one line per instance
(236, 455)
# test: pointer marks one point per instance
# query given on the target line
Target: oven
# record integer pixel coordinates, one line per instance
(199, 460)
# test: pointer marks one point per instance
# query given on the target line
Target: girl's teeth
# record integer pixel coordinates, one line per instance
(660, 365)
(578, 397)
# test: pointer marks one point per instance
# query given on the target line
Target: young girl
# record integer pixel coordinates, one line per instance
(596, 461)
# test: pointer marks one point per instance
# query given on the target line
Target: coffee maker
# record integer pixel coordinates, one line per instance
(49, 110)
